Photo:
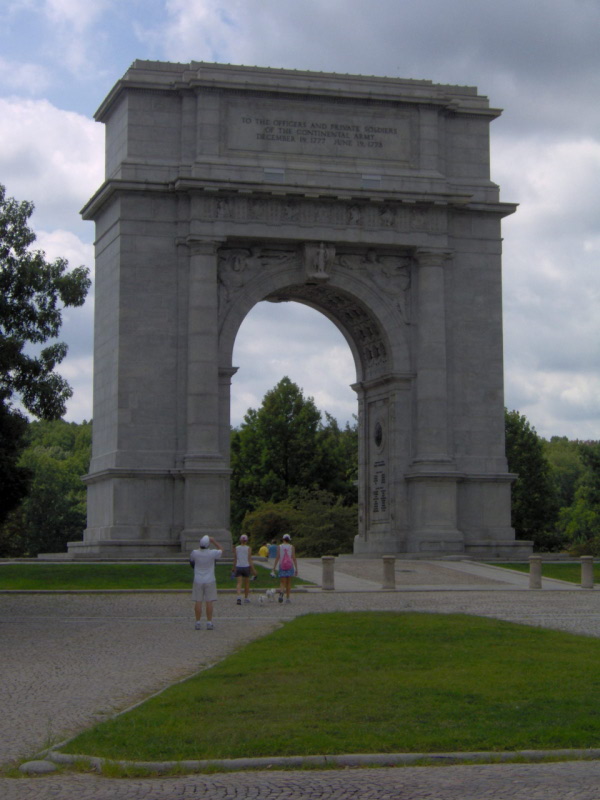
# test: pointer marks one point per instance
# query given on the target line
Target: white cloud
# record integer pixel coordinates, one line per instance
(72, 21)
(79, 374)
(29, 78)
(76, 14)
(64, 244)
(557, 403)
(552, 283)
(198, 30)
(52, 157)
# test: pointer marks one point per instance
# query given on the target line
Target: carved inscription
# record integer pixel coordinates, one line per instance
(312, 131)
(379, 498)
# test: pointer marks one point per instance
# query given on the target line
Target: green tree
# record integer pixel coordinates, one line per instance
(534, 504)
(275, 448)
(581, 520)
(339, 459)
(33, 293)
(566, 465)
(14, 479)
(285, 445)
(318, 522)
(54, 511)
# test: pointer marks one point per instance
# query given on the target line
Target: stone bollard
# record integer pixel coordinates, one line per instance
(535, 572)
(328, 582)
(389, 572)
(587, 572)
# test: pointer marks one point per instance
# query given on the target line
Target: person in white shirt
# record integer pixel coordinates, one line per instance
(205, 583)
(243, 566)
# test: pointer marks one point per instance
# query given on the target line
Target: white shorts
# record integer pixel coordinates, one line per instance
(204, 591)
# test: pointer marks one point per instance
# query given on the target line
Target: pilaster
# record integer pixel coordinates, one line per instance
(432, 480)
(432, 447)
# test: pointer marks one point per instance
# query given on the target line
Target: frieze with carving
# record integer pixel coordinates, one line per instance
(308, 211)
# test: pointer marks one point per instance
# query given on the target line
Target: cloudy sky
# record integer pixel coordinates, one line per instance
(539, 60)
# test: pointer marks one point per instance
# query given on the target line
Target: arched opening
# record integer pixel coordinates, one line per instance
(298, 449)
(292, 339)
(369, 324)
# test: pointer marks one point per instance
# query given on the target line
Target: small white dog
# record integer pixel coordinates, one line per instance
(267, 597)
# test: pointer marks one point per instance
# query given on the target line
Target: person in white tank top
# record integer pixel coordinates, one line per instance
(242, 567)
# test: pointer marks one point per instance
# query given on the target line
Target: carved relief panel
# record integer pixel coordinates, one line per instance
(378, 466)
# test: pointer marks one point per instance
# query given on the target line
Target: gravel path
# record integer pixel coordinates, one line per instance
(69, 660)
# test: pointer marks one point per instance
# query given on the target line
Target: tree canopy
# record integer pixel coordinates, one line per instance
(580, 521)
(284, 445)
(53, 511)
(534, 504)
(33, 293)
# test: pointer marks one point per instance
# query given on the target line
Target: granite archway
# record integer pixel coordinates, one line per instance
(368, 199)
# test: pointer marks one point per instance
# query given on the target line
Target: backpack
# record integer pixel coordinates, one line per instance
(286, 561)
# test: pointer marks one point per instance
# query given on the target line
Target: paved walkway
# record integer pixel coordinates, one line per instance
(68, 660)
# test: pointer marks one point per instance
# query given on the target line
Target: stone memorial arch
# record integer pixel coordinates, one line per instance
(368, 199)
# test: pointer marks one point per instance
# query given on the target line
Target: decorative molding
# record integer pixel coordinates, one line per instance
(303, 211)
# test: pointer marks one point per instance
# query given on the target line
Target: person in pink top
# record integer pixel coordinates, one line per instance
(288, 567)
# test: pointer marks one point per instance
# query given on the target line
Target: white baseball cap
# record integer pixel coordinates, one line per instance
(205, 541)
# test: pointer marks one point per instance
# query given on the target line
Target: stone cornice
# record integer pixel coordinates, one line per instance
(164, 76)
(393, 210)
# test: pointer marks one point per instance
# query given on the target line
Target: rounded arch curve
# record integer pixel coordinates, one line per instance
(364, 313)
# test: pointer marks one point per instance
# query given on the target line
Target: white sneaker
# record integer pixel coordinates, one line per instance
(246, 600)
(209, 626)
(198, 626)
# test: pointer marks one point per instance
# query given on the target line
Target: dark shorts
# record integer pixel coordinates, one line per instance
(242, 572)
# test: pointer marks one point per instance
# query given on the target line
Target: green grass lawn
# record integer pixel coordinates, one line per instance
(117, 576)
(372, 683)
(562, 572)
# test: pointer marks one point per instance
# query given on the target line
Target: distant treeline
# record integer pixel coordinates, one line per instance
(294, 470)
